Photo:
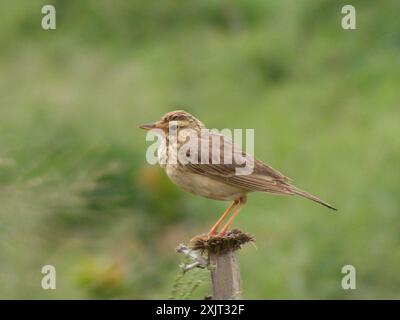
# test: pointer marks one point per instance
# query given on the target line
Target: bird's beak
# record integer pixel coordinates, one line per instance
(148, 126)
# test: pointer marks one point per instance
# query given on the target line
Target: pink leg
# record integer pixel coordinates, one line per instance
(226, 227)
(222, 218)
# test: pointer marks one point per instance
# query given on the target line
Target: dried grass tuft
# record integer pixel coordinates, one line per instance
(219, 244)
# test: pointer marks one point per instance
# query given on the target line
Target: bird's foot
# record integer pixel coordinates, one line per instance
(213, 234)
(224, 231)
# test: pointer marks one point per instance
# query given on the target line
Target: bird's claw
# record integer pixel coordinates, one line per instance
(216, 234)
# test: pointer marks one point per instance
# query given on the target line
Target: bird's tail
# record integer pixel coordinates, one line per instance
(307, 195)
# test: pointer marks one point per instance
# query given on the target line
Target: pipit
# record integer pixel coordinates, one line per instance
(218, 180)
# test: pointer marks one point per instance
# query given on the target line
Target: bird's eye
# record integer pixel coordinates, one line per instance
(173, 127)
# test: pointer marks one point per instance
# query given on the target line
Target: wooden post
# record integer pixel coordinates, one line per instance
(223, 262)
(225, 275)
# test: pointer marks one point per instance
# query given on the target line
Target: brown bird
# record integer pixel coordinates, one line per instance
(215, 179)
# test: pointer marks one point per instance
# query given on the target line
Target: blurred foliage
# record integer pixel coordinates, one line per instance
(186, 284)
(75, 188)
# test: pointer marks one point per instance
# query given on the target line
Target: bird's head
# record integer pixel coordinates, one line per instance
(175, 120)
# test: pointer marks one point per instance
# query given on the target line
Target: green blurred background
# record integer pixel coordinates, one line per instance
(76, 191)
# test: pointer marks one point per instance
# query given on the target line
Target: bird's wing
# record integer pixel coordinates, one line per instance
(262, 177)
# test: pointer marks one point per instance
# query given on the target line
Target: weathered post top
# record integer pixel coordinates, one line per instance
(223, 261)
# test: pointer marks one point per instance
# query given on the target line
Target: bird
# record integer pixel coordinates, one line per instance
(210, 179)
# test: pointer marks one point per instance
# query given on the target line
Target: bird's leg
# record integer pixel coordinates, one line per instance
(222, 218)
(226, 227)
